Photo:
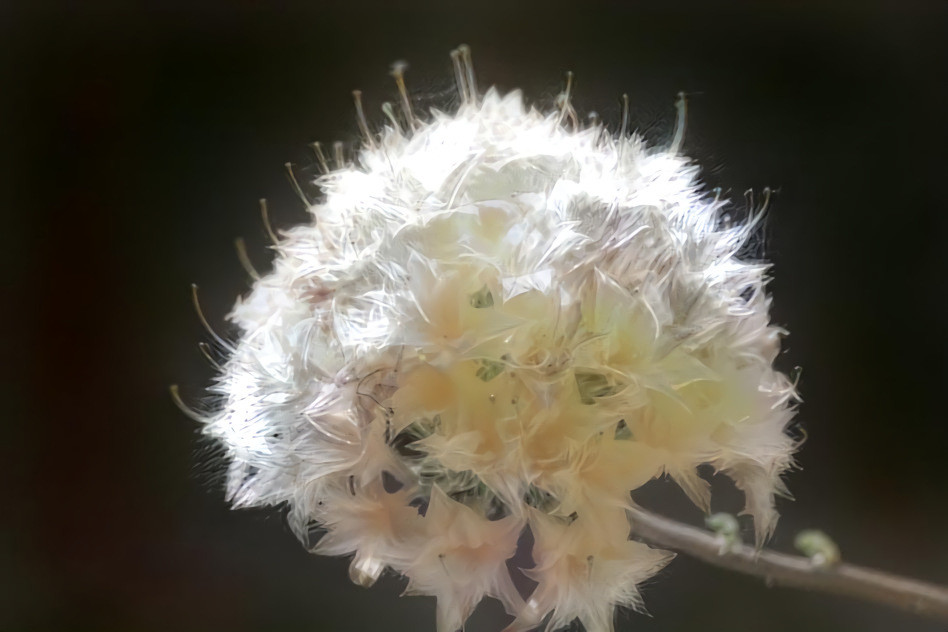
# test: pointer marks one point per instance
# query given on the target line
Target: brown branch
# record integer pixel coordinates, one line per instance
(910, 595)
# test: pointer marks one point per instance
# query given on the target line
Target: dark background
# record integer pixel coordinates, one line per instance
(137, 138)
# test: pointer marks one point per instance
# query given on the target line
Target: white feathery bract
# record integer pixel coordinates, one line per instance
(516, 321)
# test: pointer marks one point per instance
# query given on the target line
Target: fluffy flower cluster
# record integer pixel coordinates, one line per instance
(501, 320)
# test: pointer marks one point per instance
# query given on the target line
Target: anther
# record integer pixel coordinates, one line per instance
(244, 258)
(398, 71)
(360, 116)
(320, 156)
(296, 185)
(681, 105)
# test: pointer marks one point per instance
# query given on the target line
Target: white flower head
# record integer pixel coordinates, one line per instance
(502, 319)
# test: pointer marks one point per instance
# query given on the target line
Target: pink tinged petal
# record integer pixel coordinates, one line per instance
(464, 560)
(585, 568)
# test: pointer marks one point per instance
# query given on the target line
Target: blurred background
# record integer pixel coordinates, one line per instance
(138, 137)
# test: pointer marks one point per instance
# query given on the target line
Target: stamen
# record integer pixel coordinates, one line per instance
(398, 71)
(682, 106)
(389, 112)
(624, 129)
(340, 155)
(244, 258)
(265, 214)
(176, 397)
(360, 116)
(459, 76)
(766, 204)
(206, 352)
(207, 325)
(320, 156)
(296, 185)
(369, 395)
(465, 52)
(566, 108)
(755, 215)
(595, 123)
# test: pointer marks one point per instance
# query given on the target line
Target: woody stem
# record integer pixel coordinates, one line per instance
(910, 595)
